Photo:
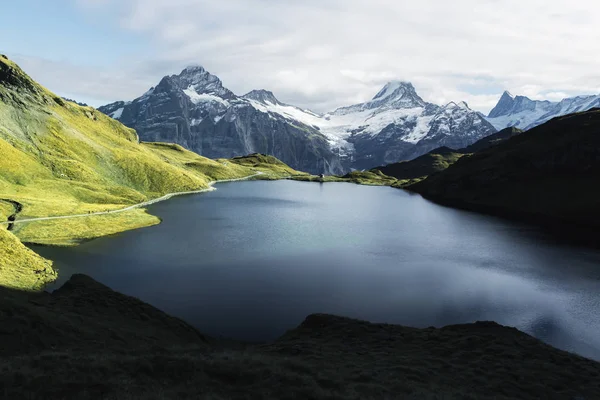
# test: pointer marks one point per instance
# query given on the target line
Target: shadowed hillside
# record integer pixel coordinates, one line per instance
(85, 341)
(548, 174)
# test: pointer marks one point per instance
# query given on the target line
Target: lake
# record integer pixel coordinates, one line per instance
(252, 259)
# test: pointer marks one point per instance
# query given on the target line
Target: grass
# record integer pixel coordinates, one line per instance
(6, 210)
(270, 166)
(21, 268)
(371, 178)
(408, 172)
(71, 232)
(85, 341)
(59, 158)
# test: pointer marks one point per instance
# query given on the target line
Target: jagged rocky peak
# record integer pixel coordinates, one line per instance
(504, 106)
(198, 80)
(397, 94)
(509, 104)
(262, 96)
(394, 95)
(394, 89)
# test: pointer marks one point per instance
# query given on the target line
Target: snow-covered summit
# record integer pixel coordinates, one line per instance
(524, 113)
(263, 96)
(394, 95)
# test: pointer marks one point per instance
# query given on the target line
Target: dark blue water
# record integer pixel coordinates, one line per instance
(252, 259)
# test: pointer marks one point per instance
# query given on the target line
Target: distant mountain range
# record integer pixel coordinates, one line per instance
(524, 113)
(195, 110)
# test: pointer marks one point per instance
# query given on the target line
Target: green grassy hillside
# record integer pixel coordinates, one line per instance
(414, 170)
(549, 173)
(21, 268)
(60, 158)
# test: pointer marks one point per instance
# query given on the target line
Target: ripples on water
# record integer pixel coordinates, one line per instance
(252, 259)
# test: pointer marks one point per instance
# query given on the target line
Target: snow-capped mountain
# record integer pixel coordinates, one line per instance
(397, 124)
(195, 110)
(524, 113)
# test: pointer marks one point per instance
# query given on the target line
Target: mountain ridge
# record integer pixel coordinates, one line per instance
(523, 113)
(195, 110)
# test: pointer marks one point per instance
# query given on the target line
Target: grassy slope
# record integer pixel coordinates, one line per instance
(548, 173)
(370, 178)
(59, 158)
(270, 166)
(21, 268)
(414, 170)
(85, 341)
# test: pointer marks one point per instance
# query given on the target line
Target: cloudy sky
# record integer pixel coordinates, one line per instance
(318, 54)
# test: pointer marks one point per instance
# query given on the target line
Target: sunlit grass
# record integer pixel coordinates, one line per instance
(70, 232)
(21, 268)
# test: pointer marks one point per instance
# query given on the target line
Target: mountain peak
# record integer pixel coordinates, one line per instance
(193, 69)
(393, 88)
(504, 106)
(262, 96)
(396, 95)
(196, 79)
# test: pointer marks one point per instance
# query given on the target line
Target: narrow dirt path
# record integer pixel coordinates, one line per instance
(14, 221)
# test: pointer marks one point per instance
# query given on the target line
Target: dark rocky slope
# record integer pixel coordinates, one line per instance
(85, 341)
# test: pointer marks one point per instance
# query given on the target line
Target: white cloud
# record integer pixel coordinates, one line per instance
(321, 54)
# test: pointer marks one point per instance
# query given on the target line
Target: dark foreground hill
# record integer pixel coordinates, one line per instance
(85, 341)
(549, 173)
